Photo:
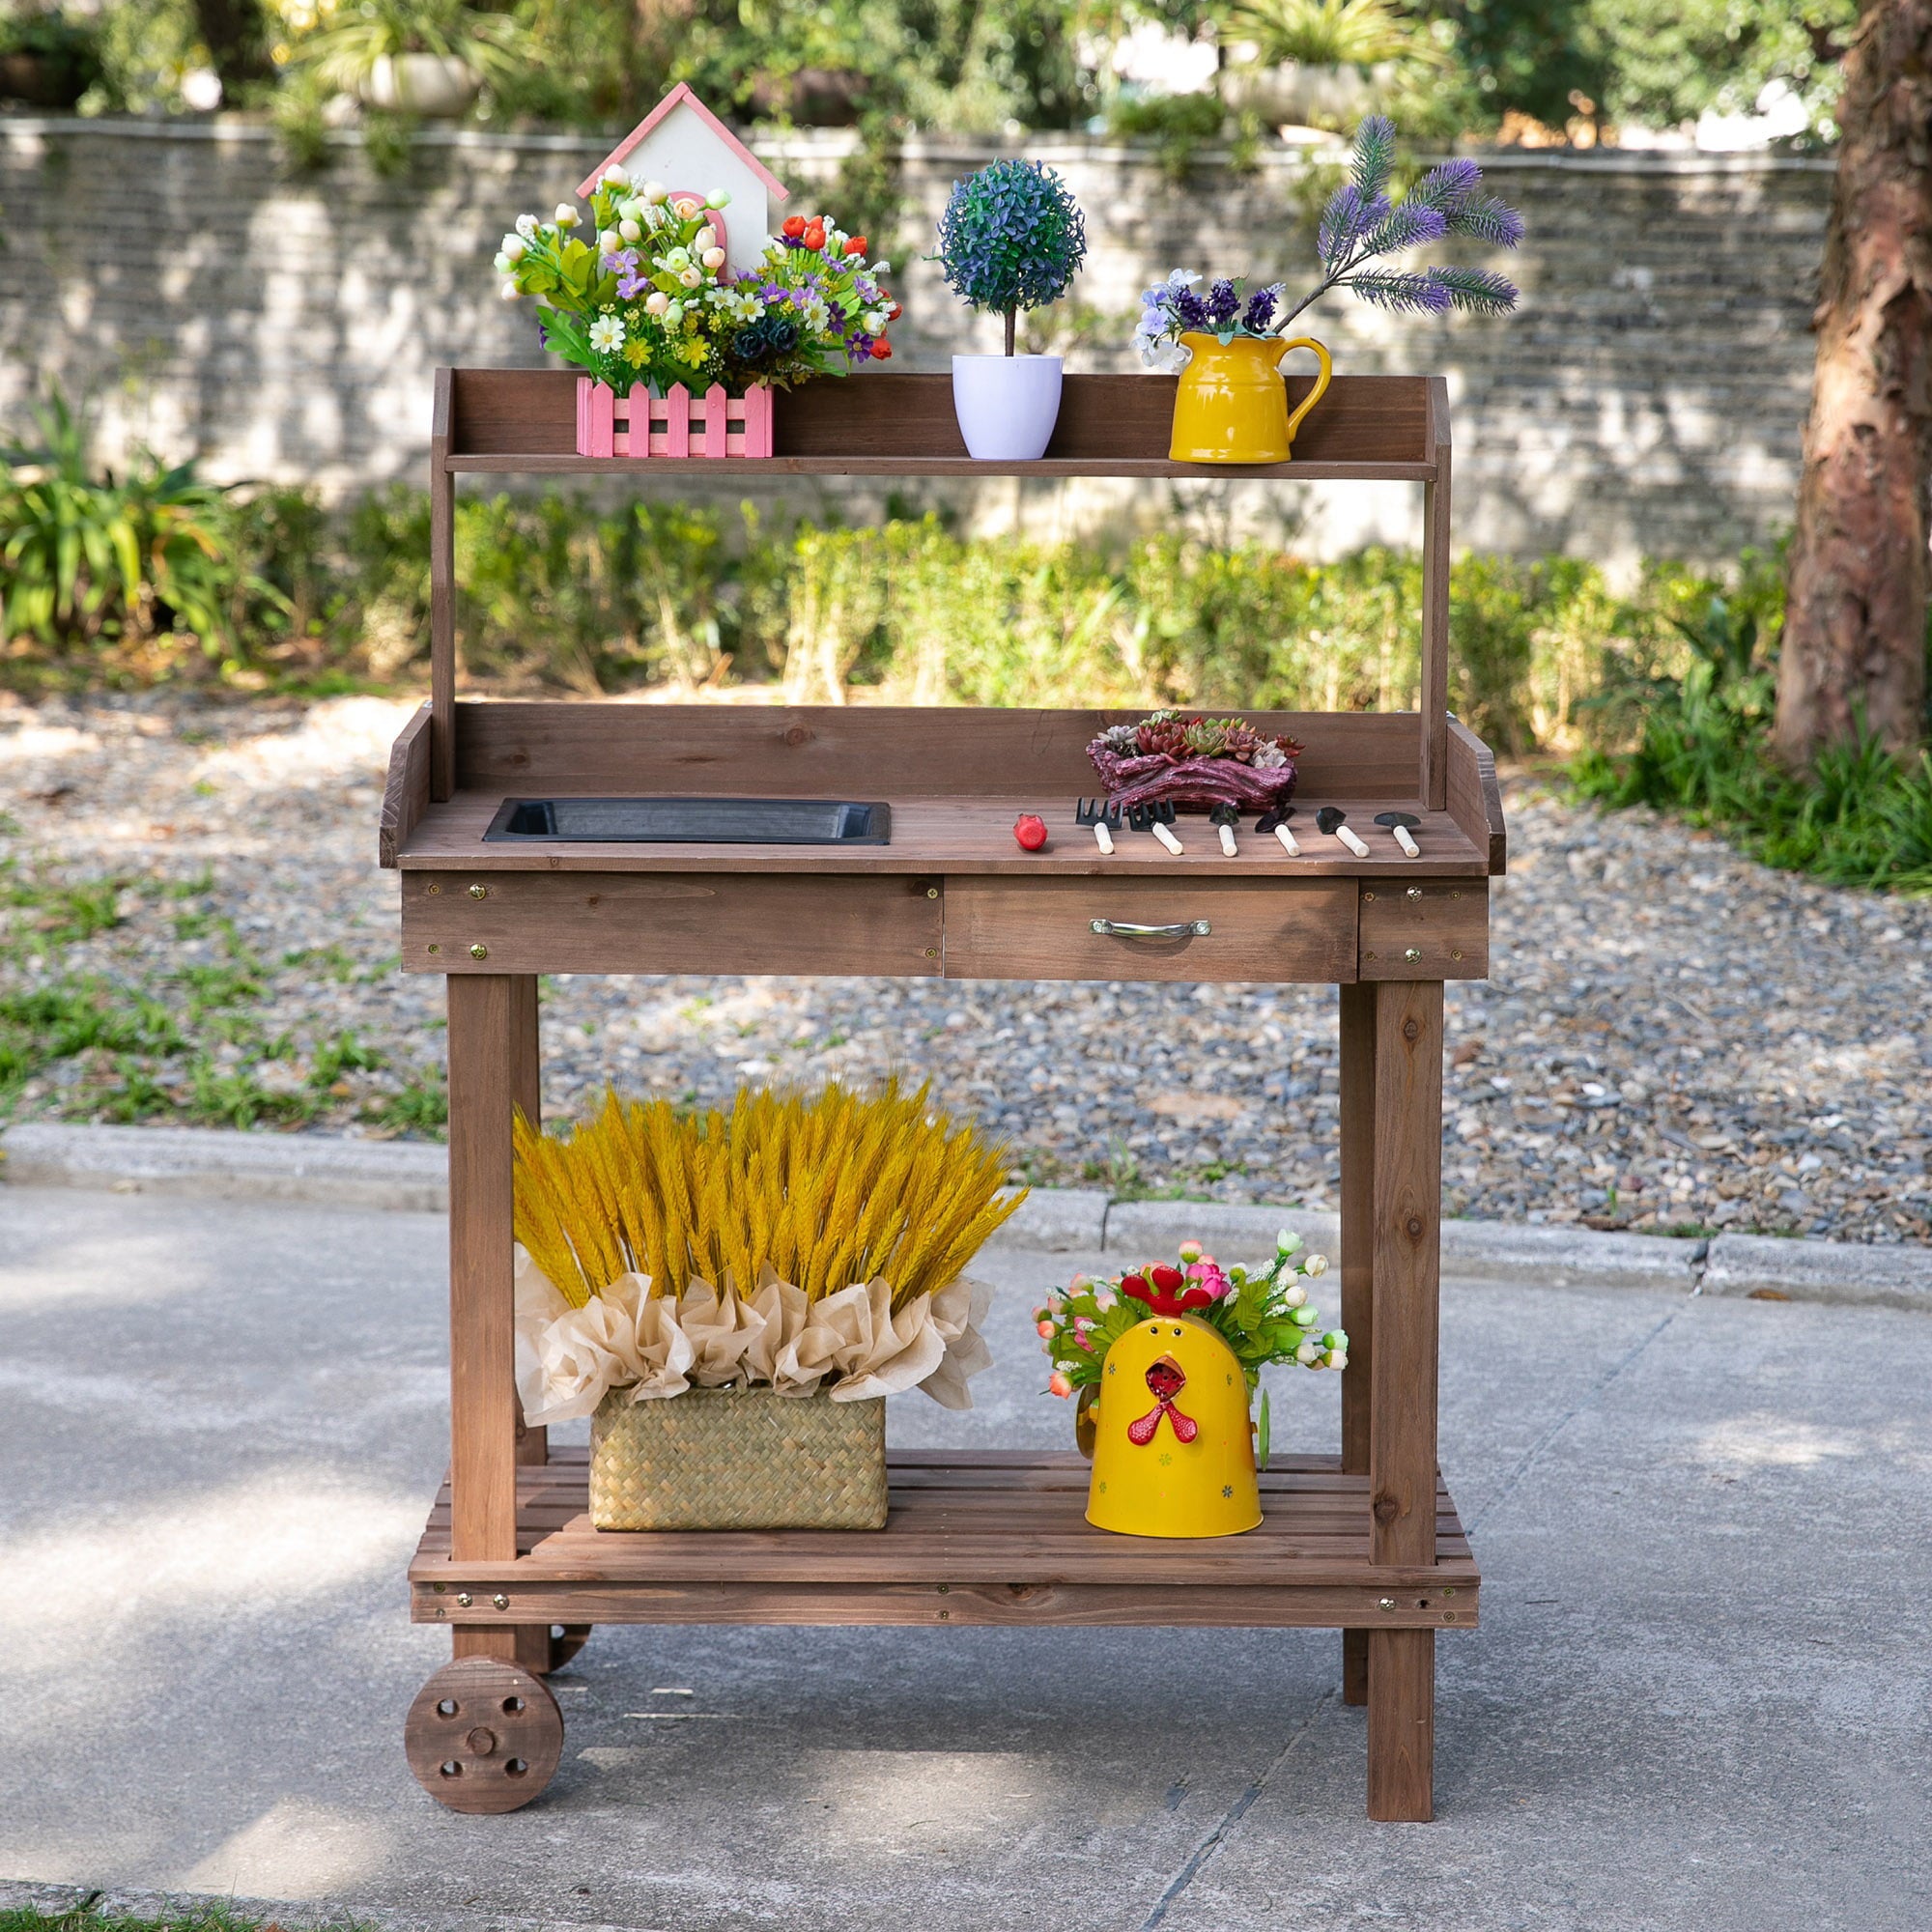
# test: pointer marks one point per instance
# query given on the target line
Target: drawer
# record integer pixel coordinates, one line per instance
(1255, 929)
(670, 922)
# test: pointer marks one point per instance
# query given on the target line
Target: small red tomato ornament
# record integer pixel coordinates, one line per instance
(856, 245)
(793, 228)
(1030, 831)
(883, 350)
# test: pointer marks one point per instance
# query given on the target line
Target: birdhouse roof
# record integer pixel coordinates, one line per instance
(681, 96)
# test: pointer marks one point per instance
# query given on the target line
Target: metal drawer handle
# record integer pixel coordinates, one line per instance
(1122, 929)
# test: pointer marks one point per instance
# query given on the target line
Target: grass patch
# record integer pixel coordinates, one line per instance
(1699, 747)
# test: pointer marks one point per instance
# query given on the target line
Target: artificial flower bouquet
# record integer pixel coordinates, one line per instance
(647, 298)
(1195, 762)
(1262, 1314)
(730, 1297)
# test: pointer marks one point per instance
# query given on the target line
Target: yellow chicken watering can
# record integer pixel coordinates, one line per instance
(1231, 406)
(1173, 1454)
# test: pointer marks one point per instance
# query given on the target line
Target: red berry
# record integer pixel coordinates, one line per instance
(856, 245)
(793, 228)
(1030, 829)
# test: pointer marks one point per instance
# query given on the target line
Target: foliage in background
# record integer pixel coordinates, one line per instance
(1696, 741)
(989, 67)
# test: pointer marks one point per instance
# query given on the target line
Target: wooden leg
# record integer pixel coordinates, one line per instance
(532, 1445)
(1354, 1667)
(482, 1393)
(1402, 1430)
(1357, 1267)
(1401, 1724)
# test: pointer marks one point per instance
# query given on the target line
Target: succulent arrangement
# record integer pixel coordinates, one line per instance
(1264, 1314)
(1011, 238)
(1204, 762)
(647, 298)
(1362, 224)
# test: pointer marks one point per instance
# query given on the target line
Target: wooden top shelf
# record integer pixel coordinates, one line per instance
(1380, 428)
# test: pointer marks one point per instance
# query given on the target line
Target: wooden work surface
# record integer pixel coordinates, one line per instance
(974, 1537)
(965, 836)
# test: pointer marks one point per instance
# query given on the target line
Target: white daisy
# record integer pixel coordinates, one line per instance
(607, 334)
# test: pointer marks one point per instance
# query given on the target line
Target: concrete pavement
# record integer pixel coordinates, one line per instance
(1699, 1698)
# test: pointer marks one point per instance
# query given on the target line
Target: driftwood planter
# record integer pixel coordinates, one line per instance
(675, 424)
(738, 1459)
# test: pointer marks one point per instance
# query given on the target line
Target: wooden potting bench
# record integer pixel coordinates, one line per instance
(1366, 1541)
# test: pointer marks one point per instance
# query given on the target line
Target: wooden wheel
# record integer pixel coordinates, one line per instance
(483, 1736)
(565, 1641)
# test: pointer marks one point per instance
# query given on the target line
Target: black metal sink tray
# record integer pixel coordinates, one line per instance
(689, 821)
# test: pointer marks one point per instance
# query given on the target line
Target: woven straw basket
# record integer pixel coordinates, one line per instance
(738, 1458)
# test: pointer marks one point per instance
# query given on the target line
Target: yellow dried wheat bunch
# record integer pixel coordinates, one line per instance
(842, 1189)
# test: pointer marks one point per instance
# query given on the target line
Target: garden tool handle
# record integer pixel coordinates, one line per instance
(1122, 928)
(1322, 378)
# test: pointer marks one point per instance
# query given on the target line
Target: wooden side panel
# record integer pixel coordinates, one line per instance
(1266, 931)
(887, 750)
(1361, 419)
(1474, 798)
(1434, 699)
(1427, 929)
(405, 793)
(529, 923)
(441, 593)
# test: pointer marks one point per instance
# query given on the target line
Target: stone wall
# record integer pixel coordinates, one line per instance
(1649, 398)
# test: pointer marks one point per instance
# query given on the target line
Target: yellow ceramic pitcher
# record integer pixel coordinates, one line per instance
(1231, 406)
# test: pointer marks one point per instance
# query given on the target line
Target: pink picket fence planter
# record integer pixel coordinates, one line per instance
(676, 424)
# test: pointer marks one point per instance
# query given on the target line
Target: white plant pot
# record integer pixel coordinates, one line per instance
(1296, 94)
(437, 86)
(1007, 404)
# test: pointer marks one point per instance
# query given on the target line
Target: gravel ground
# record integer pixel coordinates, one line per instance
(1675, 1038)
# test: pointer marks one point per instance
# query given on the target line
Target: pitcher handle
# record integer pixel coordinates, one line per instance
(1320, 387)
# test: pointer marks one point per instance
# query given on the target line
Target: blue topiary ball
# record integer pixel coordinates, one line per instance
(1011, 237)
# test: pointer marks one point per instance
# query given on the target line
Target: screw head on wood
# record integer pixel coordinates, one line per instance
(462, 1600)
(1385, 1603)
(1411, 954)
(1369, 895)
(479, 892)
(502, 1602)
(479, 953)
(932, 891)
(1414, 892)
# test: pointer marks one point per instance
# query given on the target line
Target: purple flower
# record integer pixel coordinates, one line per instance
(1260, 310)
(628, 286)
(1189, 310)
(1223, 303)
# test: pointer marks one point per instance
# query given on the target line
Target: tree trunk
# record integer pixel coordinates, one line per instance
(1859, 579)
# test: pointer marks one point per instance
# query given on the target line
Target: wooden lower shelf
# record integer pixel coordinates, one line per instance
(974, 1537)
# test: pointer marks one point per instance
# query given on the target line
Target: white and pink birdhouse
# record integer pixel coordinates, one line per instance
(682, 144)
